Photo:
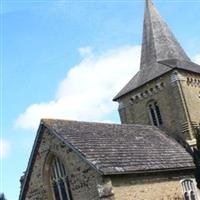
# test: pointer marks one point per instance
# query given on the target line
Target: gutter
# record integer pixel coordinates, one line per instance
(150, 171)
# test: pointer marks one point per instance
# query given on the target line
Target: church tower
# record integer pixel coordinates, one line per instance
(165, 92)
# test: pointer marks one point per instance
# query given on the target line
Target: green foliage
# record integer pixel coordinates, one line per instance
(198, 138)
(2, 196)
(197, 158)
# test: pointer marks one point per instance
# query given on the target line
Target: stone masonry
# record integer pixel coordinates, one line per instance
(131, 161)
(178, 96)
(82, 177)
(88, 184)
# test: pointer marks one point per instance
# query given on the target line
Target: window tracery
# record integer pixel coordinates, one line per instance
(155, 114)
(59, 181)
(189, 190)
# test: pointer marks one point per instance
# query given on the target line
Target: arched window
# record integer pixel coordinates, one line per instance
(59, 181)
(154, 113)
(189, 190)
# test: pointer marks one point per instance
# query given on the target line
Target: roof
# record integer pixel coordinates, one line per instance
(120, 149)
(155, 71)
(158, 44)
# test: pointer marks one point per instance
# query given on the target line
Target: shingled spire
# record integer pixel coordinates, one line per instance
(160, 54)
(159, 42)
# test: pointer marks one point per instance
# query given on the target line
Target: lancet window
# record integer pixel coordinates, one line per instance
(59, 181)
(189, 190)
(155, 114)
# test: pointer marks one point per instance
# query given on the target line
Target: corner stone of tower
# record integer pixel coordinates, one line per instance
(160, 93)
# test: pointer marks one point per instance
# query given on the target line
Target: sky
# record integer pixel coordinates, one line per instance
(68, 59)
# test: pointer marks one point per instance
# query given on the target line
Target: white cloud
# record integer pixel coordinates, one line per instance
(87, 91)
(85, 51)
(197, 59)
(4, 148)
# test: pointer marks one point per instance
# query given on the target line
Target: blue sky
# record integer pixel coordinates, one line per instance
(55, 54)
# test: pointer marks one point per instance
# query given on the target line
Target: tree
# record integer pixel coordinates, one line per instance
(197, 157)
(2, 196)
(198, 138)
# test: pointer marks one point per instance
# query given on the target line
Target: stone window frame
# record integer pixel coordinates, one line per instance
(154, 113)
(122, 112)
(51, 156)
(189, 190)
(59, 180)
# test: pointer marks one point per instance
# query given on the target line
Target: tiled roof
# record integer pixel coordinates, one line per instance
(155, 71)
(118, 149)
(158, 45)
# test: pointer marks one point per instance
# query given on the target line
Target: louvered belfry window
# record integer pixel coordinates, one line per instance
(189, 190)
(155, 115)
(59, 181)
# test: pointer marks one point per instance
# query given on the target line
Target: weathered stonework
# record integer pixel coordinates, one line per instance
(85, 182)
(148, 188)
(178, 101)
(138, 165)
(168, 77)
(191, 91)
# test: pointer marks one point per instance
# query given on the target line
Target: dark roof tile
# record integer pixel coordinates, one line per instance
(161, 52)
(114, 148)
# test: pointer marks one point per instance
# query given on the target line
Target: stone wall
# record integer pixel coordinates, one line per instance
(85, 182)
(169, 92)
(191, 90)
(148, 188)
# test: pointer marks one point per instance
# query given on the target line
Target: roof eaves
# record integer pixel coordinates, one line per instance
(188, 70)
(80, 154)
(172, 64)
(163, 62)
(31, 159)
(118, 96)
(150, 171)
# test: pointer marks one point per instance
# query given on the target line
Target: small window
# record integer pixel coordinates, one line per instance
(157, 109)
(189, 190)
(155, 114)
(59, 181)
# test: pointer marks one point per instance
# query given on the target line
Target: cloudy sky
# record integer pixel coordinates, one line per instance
(68, 59)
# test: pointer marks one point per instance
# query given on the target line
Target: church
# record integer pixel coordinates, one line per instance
(145, 157)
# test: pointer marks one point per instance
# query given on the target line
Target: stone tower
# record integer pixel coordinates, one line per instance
(165, 92)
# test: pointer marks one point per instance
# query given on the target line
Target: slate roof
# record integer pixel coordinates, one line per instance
(158, 42)
(119, 149)
(158, 45)
(155, 71)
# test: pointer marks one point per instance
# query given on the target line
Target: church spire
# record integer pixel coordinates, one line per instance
(148, 2)
(160, 54)
(158, 43)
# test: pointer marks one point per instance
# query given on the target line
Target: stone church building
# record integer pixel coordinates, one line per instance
(143, 158)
